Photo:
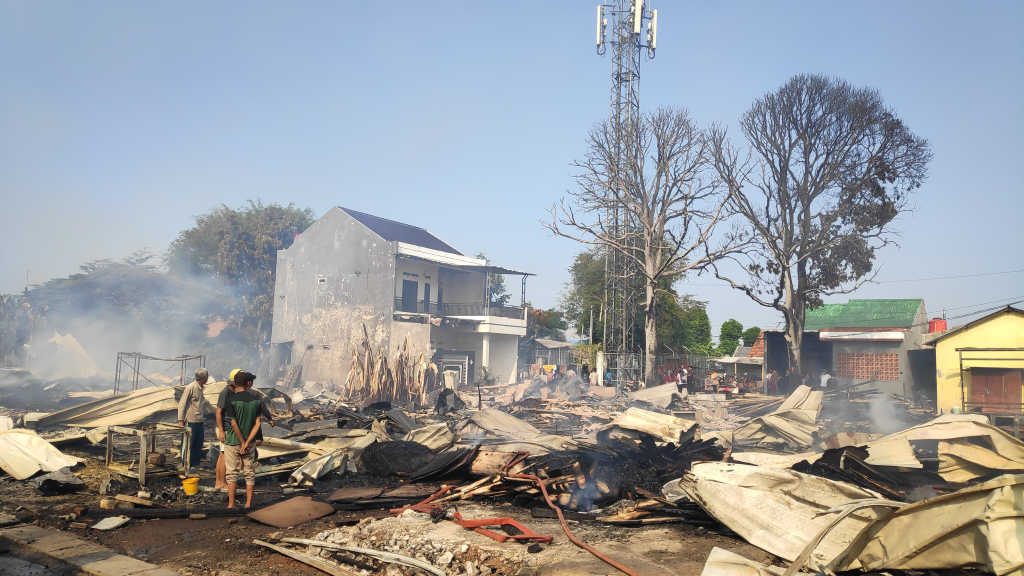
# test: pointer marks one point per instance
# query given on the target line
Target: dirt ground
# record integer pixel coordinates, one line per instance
(222, 546)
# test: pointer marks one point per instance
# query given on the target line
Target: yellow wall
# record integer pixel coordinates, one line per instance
(1005, 330)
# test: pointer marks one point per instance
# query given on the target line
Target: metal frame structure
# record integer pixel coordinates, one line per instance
(147, 446)
(135, 364)
(620, 24)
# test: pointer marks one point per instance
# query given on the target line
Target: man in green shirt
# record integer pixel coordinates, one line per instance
(242, 412)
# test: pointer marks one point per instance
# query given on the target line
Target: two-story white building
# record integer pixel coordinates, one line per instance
(350, 269)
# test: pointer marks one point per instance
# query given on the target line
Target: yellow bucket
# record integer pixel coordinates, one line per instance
(191, 485)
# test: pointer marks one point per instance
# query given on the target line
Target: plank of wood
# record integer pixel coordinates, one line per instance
(308, 560)
(139, 501)
(378, 554)
(643, 521)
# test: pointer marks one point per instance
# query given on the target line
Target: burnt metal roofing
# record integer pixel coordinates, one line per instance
(398, 232)
(880, 313)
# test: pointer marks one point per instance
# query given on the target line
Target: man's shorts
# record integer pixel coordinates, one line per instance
(235, 462)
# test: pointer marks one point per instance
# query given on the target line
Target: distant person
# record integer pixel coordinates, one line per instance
(191, 412)
(772, 383)
(242, 413)
(825, 377)
(783, 383)
(585, 373)
(608, 380)
(593, 378)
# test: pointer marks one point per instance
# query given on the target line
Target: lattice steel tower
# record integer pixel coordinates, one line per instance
(621, 25)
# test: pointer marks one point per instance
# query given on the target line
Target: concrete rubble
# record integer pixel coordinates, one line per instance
(450, 483)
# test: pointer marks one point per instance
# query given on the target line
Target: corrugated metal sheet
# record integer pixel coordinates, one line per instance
(882, 313)
(397, 232)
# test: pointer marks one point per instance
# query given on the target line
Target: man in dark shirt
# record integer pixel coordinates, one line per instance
(783, 383)
(242, 412)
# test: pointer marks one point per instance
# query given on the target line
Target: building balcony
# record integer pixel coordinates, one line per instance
(454, 310)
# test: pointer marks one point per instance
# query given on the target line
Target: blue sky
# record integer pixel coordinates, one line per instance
(120, 122)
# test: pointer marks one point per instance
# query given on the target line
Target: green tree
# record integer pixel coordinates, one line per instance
(584, 292)
(545, 324)
(729, 337)
(239, 249)
(698, 331)
(750, 335)
(497, 293)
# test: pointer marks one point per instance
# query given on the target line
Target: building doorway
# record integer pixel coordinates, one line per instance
(996, 389)
(409, 290)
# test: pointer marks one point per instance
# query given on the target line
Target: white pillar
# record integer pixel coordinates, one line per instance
(485, 354)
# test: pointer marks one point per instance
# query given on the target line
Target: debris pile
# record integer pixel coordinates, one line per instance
(463, 475)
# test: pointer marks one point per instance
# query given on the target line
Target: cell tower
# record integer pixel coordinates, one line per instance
(621, 25)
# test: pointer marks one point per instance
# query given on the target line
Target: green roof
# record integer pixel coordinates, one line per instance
(884, 313)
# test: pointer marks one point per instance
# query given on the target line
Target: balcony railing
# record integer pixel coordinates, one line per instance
(482, 309)
(456, 309)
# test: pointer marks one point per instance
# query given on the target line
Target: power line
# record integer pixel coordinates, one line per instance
(897, 281)
(951, 277)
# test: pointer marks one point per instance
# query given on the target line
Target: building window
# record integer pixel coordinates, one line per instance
(885, 367)
(325, 347)
(322, 280)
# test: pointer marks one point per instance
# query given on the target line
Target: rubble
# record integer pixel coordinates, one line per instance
(960, 458)
(449, 465)
(776, 510)
(980, 527)
(23, 454)
(791, 426)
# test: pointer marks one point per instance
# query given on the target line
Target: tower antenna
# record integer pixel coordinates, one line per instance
(620, 26)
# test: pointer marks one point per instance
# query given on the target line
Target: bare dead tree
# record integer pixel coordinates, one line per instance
(828, 169)
(672, 201)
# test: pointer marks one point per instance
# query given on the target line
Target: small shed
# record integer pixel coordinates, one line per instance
(550, 352)
(743, 363)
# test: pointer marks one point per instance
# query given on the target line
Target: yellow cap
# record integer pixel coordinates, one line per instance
(231, 377)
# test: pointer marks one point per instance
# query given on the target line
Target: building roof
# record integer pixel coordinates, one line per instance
(757, 350)
(398, 232)
(879, 313)
(742, 351)
(931, 339)
(552, 344)
(740, 360)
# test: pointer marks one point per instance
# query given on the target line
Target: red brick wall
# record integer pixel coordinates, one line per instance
(757, 350)
(868, 366)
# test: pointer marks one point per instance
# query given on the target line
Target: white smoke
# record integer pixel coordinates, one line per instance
(883, 415)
